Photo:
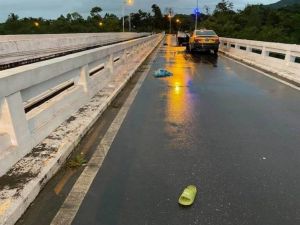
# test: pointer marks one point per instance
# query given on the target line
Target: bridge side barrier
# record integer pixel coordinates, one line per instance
(280, 59)
(22, 47)
(35, 99)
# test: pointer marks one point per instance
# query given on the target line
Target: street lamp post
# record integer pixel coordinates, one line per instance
(196, 23)
(129, 22)
(170, 17)
(123, 12)
(130, 3)
(126, 2)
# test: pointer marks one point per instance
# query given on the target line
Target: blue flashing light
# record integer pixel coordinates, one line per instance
(196, 11)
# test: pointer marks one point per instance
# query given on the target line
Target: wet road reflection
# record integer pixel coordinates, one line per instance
(180, 110)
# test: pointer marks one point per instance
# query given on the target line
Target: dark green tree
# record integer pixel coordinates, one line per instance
(95, 12)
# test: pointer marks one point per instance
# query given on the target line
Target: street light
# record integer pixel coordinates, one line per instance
(100, 24)
(178, 23)
(170, 13)
(36, 24)
(126, 2)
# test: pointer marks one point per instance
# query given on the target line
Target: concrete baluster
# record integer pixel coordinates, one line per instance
(248, 48)
(84, 78)
(131, 52)
(237, 46)
(264, 52)
(124, 56)
(13, 121)
(110, 64)
(139, 50)
(143, 48)
(125, 59)
(289, 58)
(221, 44)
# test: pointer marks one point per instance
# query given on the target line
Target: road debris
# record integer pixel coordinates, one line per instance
(162, 73)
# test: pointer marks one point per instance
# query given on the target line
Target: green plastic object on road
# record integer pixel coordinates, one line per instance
(162, 73)
(188, 196)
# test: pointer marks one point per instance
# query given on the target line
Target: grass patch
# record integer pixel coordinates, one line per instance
(78, 161)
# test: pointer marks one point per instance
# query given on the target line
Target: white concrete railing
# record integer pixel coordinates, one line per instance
(14, 48)
(37, 98)
(274, 57)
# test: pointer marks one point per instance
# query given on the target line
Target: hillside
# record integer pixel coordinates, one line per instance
(283, 3)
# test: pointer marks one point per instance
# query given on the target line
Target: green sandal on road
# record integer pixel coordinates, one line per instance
(188, 196)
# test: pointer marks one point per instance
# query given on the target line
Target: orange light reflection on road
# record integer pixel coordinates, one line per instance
(179, 98)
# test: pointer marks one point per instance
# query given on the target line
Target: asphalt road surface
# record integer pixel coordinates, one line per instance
(229, 130)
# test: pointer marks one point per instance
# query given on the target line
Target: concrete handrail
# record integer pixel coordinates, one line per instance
(14, 48)
(275, 56)
(37, 98)
(20, 44)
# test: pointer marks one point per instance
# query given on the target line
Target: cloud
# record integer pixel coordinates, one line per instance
(54, 8)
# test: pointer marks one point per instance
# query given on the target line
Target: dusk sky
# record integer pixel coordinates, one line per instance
(54, 8)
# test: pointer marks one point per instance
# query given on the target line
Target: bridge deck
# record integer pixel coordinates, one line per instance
(217, 124)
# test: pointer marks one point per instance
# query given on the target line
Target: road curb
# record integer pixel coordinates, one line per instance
(48, 157)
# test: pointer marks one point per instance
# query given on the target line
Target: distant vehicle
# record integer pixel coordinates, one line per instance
(182, 38)
(204, 40)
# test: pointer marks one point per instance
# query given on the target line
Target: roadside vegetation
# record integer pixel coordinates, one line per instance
(255, 22)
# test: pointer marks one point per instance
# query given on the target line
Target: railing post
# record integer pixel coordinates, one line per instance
(248, 48)
(228, 45)
(236, 46)
(83, 78)
(288, 58)
(221, 44)
(13, 120)
(110, 64)
(124, 55)
(264, 52)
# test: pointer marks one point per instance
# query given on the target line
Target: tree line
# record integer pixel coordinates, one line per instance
(255, 22)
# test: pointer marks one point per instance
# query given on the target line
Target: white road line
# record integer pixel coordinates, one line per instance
(71, 205)
(264, 73)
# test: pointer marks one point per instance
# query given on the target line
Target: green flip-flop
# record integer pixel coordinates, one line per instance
(188, 196)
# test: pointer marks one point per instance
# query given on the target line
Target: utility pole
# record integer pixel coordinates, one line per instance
(126, 2)
(123, 12)
(196, 12)
(170, 17)
(129, 22)
(170, 13)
